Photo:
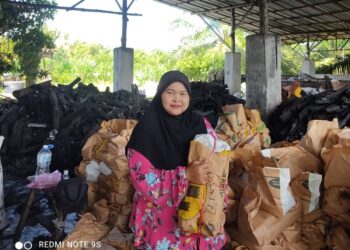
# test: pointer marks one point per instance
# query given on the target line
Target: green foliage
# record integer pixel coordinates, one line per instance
(24, 26)
(16, 20)
(5, 63)
(338, 65)
(291, 61)
(92, 62)
(28, 48)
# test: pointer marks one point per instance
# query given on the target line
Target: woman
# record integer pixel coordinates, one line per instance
(157, 153)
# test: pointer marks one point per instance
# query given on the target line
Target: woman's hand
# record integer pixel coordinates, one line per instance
(196, 171)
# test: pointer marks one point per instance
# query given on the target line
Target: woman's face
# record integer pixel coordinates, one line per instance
(175, 99)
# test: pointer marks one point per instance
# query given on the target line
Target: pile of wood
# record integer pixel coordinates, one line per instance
(289, 120)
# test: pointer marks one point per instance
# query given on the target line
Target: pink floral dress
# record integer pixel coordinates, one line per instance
(154, 216)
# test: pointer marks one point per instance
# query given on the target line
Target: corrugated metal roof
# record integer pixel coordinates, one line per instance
(294, 21)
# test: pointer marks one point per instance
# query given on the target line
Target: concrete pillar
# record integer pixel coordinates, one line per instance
(308, 67)
(263, 76)
(233, 72)
(123, 68)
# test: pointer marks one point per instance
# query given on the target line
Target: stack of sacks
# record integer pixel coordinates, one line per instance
(105, 168)
(241, 127)
(108, 167)
(266, 205)
(336, 156)
(202, 211)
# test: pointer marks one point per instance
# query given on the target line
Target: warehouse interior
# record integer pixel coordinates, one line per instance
(288, 178)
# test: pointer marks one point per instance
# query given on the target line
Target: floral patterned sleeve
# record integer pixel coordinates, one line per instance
(161, 187)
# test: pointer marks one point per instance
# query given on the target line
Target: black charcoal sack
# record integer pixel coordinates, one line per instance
(71, 195)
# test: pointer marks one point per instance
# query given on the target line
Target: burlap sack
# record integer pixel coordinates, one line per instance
(212, 217)
(87, 229)
(316, 134)
(297, 159)
(306, 187)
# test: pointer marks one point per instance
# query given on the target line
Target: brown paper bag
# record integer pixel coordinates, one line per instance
(297, 159)
(213, 217)
(316, 134)
(259, 226)
(277, 181)
(338, 239)
(88, 229)
(232, 212)
(337, 204)
(337, 161)
(306, 187)
(314, 233)
(237, 109)
(119, 239)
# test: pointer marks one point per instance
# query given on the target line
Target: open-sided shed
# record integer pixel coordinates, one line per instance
(295, 21)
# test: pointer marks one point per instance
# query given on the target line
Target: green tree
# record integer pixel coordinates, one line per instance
(29, 50)
(92, 62)
(24, 26)
(16, 20)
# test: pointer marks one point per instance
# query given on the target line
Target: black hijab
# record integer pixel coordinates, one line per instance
(162, 138)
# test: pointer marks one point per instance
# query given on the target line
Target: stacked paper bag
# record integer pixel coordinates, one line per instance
(242, 127)
(110, 193)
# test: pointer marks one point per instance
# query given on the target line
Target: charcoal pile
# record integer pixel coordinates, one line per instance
(289, 120)
(210, 97)
(67, 115)
(64, 115)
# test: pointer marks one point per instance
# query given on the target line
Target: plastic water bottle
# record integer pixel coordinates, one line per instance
(43, 161)
(65, 174)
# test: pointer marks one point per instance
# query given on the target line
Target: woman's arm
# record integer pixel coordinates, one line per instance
(161, 187)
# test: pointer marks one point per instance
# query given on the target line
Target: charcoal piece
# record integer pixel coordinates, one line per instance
(56, 110)
(344, 121)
